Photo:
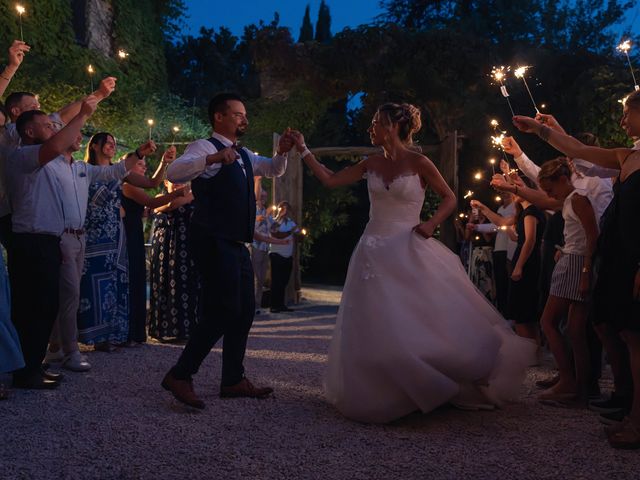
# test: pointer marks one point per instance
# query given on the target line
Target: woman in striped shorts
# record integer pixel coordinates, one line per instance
(570, 285)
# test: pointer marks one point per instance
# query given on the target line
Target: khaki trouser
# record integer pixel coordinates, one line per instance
(260, 262)
(65, 330)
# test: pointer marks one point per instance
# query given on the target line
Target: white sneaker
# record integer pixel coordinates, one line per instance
(76, 363)
(54, 357)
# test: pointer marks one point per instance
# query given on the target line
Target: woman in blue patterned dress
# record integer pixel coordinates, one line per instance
(103, 316)
(10, 353)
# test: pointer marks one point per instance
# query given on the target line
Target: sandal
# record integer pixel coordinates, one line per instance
(626, 438)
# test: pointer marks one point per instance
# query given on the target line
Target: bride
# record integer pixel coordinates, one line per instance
(412, 331)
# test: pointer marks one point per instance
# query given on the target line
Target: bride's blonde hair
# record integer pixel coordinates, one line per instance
(405, 115)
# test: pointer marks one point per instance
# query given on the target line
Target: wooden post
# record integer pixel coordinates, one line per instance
(448, 166)
(288, 188)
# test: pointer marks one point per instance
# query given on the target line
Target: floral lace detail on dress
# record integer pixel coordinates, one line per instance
(372, 241)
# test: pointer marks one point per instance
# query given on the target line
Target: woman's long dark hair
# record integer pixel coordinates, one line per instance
(98, 139)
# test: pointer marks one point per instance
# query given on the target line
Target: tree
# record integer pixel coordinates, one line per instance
(306, 31)
(323, 25)
(565, 25)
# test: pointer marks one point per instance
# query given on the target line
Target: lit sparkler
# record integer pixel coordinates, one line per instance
(21, 11)
(150, 122)
(499, 74)
(91, 71)
(122, 55)
(468, 194)
(624, 47)
(520, 73)
(175, 130)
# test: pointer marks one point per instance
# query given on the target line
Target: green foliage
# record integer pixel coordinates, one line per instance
(306, 30)
(56, 67)
(323, 25)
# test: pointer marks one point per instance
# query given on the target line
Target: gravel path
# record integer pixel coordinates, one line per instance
(116, 422)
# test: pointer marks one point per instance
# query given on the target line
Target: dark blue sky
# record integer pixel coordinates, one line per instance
(344, 13)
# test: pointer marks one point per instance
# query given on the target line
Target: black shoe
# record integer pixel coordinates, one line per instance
(34, 382)
(613, 404)
(613, 418)
(56, 377)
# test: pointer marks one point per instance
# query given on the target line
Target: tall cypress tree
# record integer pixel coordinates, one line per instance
(323, 26)
(306, 31)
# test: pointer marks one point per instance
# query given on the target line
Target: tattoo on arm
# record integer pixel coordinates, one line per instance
(544, 133)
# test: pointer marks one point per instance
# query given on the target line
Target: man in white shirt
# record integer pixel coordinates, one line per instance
(38, 221)
(223, 221)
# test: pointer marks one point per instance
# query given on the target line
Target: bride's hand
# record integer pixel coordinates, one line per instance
(425, 229)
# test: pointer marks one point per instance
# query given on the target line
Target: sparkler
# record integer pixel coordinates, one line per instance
(498, 199)
(497, 141)
(499, 74)
(150, 122)
(519, 73)
(624, 47)
(175, 130)
(468, 194)
(303, 231)
(478, 176)
(122, 55)
(492, 162)
(21, 11)
(91, 71)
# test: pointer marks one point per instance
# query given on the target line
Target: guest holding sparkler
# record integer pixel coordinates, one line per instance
(134, 201)
(570, 285)
(523, 290)
(617, 288)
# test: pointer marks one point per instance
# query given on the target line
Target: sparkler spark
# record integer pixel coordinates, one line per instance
(624, 47)
(122, 54)
(21, 11)
(499, 74)
(469, 194)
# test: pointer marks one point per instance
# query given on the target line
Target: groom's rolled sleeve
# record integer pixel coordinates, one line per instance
(192, 163)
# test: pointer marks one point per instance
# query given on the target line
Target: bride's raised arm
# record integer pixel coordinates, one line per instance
(327, 177)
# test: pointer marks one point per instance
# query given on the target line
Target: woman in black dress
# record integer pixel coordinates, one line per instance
(134, 201)
(523, 304)
(616, 293)
(174, 279)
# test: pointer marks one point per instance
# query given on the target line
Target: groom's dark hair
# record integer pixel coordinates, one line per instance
(218, 104)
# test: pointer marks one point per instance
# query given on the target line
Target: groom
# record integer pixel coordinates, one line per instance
(221, 175)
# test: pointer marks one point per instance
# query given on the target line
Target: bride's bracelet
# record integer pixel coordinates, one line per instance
(305, 151)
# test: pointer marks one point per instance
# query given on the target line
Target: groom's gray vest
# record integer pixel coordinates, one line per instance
(225, 204)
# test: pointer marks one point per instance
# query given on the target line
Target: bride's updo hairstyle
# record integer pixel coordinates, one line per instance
(405, 115)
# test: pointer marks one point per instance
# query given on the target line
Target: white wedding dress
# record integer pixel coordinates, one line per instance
(413, 332)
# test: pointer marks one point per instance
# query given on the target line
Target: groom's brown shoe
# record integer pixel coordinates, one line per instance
(182, 390)
(244, 388)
